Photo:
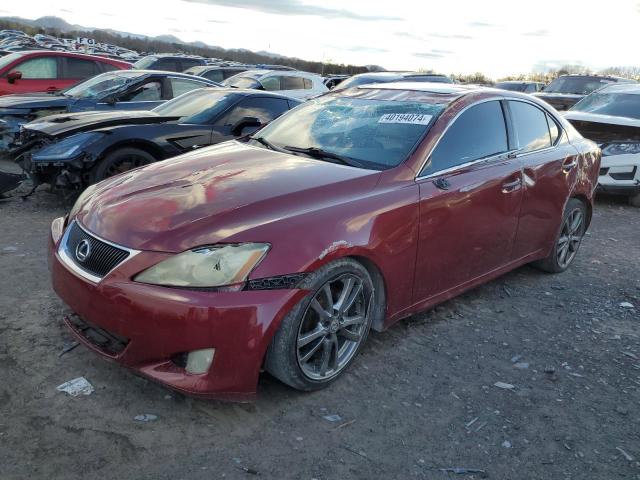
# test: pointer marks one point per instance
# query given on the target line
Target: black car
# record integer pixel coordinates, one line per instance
(76, 150)
(169, 62)
(567, 90)
(215, 73)
(117, 90)
(388, 77)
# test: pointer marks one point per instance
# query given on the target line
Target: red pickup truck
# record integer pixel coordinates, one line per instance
(50, 71)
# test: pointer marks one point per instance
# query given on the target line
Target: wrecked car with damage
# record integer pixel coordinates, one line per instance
(611, 118)
(281, 250)
(78, 149)
(111, 91)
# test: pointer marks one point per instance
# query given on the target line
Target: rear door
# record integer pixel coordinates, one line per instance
(470, 195)
(549, 172)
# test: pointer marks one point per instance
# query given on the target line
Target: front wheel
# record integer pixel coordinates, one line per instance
(574, 225)
(325, 331)
(120, 161)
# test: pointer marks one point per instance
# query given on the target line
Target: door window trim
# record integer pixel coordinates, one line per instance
(520, 154)
(513, 152)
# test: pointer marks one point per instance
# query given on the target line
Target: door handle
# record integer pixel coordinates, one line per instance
(511, 186)
(52, 89)
(442, 183)
(568, 165)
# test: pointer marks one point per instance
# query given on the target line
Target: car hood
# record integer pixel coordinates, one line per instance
(66, 123)
(33, 101)
(599, 118)
(216, 194)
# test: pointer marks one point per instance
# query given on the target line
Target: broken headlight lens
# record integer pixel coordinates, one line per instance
(66, 149)
(629, 148)
(213, 266)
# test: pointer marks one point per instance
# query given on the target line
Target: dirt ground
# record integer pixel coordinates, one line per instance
(420, 398)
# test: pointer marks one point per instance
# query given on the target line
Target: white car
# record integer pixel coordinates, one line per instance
(295, 84)
(611, 117)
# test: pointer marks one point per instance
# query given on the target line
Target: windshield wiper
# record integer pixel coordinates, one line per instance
(267, 144)
(317, 152)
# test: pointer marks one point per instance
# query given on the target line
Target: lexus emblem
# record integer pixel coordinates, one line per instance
(83, 250)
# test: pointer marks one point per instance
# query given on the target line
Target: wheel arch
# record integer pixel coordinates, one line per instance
(588, 205)
(144, 145)
(379, 285)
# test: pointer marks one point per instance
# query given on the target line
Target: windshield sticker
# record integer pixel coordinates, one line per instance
(411, 118)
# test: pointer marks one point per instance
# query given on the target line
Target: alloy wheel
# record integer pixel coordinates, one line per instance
(570, 238)
(124, 164)
(332, 327)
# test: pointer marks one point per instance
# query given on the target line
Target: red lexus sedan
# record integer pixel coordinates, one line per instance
(348, 213)
(50, 71)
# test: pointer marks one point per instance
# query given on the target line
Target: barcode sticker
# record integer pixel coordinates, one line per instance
(411, 118)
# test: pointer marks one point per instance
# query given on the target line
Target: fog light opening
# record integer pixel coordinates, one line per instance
(199, 361)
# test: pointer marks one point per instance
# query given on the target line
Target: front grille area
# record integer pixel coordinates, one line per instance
(604, 171)
(624, 175)
(93, 256)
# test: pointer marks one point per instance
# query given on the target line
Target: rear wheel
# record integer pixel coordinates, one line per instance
(120, 161)
(634, 200)
(322, 335)
(574, 222)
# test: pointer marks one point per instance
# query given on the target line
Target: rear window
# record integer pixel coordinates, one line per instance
(532, 129)
(614, 104)
(576, 85)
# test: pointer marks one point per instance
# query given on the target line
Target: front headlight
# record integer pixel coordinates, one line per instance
(66, 149)
(620, 149)
(82, 199)
(213, 266)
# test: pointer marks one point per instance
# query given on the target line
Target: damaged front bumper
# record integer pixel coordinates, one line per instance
(620, 174)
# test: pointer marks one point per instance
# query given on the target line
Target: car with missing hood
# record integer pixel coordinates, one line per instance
(121, 90)
(611, 118)
(566, 90)
(78, 149)
(282, 250)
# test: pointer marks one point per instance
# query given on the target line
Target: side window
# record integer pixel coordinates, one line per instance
(181, 85)
(215, 75)
(264, 109)
(80, 68)
(271, 83)
(477, 133)
(291, 83)
(148, 92)
(107, 67)
(553, 129)
(530, 88)
(230, 73)
(166, 63)
(42, 67)
(531, 128)
(308, 84)
(188, 63)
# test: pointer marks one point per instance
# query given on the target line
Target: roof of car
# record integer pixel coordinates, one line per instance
(162, 72)
(630, 88)
(258, 74)
(428, 87)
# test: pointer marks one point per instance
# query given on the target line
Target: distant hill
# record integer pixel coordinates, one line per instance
(168, 44)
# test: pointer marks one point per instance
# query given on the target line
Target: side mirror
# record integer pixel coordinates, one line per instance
(245, 125)
(13, 76)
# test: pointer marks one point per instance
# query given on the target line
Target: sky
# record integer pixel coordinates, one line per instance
(452, 36)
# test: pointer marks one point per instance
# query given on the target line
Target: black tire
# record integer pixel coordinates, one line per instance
(554, 263)
(282, 359)
(120, 161)
(634, 200)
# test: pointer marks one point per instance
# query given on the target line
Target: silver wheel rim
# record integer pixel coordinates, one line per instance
(570, 238)
(332, 327)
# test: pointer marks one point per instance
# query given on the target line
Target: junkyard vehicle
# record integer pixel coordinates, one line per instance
(50, 71)
(520, 86)
(611, 118)
(216, 73)
(350, 212)
(169, 62)
(76, 150)
(122, 90)
(387, 77)
(566, 90)
(331, 81)
(301, 85)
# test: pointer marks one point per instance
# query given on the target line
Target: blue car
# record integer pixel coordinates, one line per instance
(116, 90)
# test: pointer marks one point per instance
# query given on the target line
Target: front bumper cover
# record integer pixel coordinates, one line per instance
(160, 323)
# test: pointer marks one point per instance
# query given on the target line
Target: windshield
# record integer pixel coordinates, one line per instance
(377, 134)
(101, 85)
(615, 104)
(514, 87)
(242, 82)
(197, 106)
(576, 85)
(364, 80)
(145, 62)
(7, 59)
